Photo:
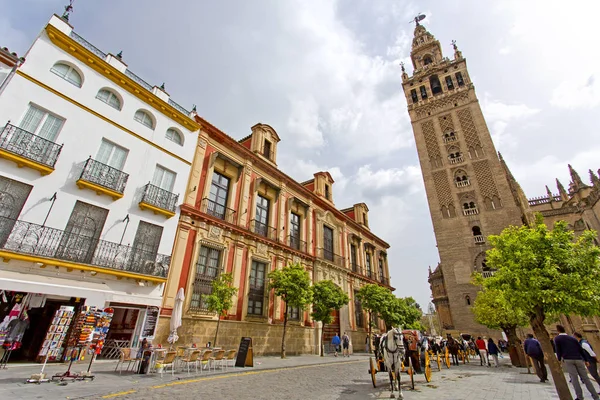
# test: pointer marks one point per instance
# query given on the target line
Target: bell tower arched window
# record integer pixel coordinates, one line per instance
(470, 208)
(449, 137)
(461, 179)
(427, 60)
(436, 86)
(468, 300)
(454, 155)
(477, 235)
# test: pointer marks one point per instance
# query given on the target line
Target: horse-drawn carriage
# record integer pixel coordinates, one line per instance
(406, 350)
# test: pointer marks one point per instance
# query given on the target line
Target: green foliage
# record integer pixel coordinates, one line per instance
(494, 310)
(221, 298)
(403, 312)
(292, 284)
(327, 296)
(375, 299)
(547, 272)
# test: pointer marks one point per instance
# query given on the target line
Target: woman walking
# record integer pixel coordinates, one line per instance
(493, 351)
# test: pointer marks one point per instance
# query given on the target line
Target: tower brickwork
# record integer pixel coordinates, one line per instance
(468, 188)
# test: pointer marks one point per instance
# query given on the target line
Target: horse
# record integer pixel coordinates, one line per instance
(392, 349)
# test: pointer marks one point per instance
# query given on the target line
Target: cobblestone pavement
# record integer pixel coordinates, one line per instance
(349, 380)
(306, 377)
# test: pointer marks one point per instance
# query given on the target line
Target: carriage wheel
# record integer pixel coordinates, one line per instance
(372, 371)
(427, 367)
(467, 356)
(447, 359)
(411, 373)
(438, 359)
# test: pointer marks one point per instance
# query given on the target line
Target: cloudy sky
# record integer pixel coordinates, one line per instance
(325, 75)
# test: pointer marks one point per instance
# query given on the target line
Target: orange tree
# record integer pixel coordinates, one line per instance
(546, 272)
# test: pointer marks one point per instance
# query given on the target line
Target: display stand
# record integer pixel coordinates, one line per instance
(68, 374)
(41, 377)
(4, 359)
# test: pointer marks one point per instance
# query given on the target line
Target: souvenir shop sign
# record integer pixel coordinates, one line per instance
(150, 322)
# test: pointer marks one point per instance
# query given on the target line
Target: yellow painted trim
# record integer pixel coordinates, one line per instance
(9, 255)
(157, 210)
(24, 162)
(104, 68)
(82, 184)
(102, 117)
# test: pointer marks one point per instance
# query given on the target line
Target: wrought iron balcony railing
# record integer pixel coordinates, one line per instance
(160, 198)
(384, 280)
(355, 267)
(263, 230)
(28, 238)
(32, 147)
(217, 210)
(295, 243)
(267, 153)
(104, 175)
(330, 256)
(369, 274)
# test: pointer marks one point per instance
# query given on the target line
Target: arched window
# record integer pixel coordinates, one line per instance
(68, 73)
(144, 118)
(468, 300)
(476, 231)
(109, 98)
(436, 86)
(427, 60)
(174, 136)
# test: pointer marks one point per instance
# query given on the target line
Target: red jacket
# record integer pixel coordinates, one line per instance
(481, 344)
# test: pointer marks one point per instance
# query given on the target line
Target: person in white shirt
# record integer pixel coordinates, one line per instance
(591, 360)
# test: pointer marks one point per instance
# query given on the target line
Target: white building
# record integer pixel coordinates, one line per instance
(94, 162)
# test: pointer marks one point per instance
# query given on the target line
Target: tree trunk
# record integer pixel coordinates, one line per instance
(370, 327)
(217, 331)
(560, 382)
(515, 350)
(284, 328)
(322, 339)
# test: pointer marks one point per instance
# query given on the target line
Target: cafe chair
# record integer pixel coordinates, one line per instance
(217, 359)
(230, 358)
(205, 360)
(192, 358)
(169, 361)
(125, 357)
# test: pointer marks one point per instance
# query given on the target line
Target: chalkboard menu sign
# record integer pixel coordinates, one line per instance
(244, 355)
(150, 322)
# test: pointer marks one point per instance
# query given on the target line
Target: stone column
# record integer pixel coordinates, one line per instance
(193, 186)
(244, 212)
(311, 238)
(176, 267)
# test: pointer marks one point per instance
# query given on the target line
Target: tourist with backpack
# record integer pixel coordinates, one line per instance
(345, 345)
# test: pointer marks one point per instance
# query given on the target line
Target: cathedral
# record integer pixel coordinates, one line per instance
(470, 190)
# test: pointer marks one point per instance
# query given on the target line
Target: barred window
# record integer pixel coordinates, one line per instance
(207, 269)
(358, 312)
(256, 292)
(293, 313)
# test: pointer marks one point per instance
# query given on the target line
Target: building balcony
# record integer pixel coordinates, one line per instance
(158, 200)
(263, 230)
(369, 274)
(28, 150)
(456, 160)
(25, 241)
(330, 256)
(470, 211)
(479, 239)
(487, 274)
(103, 179)
(295, 243)
(464, 183)
(217, 210)
(384, 280)
(355, 267)
(450, 139)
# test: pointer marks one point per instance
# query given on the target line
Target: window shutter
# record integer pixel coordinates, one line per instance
(118, 158)
(51, 127)
(32, 119)
(104, 152)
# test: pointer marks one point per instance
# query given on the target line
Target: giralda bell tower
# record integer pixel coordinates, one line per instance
(471, 193)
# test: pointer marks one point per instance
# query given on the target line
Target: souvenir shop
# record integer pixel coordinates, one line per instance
(38, 327)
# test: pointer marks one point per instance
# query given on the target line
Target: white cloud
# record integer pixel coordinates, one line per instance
(303, 123)
(578, 92)
(505, 50)
(499, 115)
(408, 177)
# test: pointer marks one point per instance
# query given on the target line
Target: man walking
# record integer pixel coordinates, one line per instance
(571, 354)
(482, 351)
(336, 343)
(533, 349)
(345, 345)
(591, 361)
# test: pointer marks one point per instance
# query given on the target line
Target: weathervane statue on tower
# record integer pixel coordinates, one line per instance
(420, 17)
